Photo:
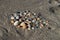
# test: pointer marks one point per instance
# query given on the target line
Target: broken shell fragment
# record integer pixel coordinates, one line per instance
(41, 25)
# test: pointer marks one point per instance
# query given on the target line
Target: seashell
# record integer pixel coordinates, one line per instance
(38, 18)
(29, 28)
(15, 23)
(12, 17)
(17, 17)
(25, 13)
(20, 20)
(23, 25)
(12, 21)
(32, 28)
(15, 14)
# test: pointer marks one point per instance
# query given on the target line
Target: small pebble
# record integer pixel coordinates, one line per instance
(38, 18)
(20, 20)
(17, 17)
(44, 22)
(15, 14)
(15, 23)
(33, 20)
(25, 13)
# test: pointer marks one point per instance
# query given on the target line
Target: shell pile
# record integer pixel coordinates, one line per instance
(27, 20)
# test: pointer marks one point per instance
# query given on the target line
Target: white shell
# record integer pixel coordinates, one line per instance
(29, 29)
(34, 13)
(44, 22)
(12, 17)
(33, 20)
(27, 20)
(21, 14)
(29, 14)
(33, 28)
(22, 24)
(17, 17)
(29, 26)
(12, 21)
(24, 13)
(20, 20)
(15, 14)
(16, 23)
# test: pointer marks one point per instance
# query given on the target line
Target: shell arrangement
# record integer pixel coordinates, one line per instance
(27, 20)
